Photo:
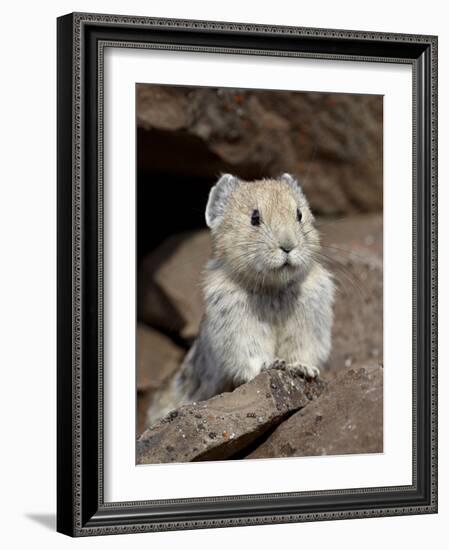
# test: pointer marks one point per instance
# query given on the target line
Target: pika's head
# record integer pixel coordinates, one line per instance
(263, 231)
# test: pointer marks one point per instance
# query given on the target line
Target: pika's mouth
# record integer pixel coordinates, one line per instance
(287, 264)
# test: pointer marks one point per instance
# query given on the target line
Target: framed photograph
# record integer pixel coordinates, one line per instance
(247, 277)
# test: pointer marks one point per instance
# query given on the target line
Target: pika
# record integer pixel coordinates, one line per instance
(268, 299)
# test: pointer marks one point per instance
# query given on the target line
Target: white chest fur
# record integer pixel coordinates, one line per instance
(247, 330)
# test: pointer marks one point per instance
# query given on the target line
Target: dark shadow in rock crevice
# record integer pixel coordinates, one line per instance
(260, 440)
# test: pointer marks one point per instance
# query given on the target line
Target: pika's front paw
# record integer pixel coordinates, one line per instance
(278, 364)
(307, 371)
(300, 369)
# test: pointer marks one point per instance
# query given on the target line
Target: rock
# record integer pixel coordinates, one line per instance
(333, 142)
(354, 247)
(157, 358)
(224, 425)
(143, 402)
(346, 419)
(170, 295)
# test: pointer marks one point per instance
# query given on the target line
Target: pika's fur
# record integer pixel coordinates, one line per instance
(268, 301)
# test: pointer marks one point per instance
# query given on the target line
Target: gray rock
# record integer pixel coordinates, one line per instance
(354, 253)
(169, 294)
(224, 425)
(346, 419)
(157, 358)
(332, 141)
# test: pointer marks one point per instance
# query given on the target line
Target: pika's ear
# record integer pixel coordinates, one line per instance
(293, 182)
(294, 185)
(218, 198)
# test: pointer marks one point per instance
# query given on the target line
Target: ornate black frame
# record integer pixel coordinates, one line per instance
(81, 509)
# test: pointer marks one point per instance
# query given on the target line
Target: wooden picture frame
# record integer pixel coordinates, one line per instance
(81, 509)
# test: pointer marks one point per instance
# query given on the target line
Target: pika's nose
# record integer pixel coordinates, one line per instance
(286, 241)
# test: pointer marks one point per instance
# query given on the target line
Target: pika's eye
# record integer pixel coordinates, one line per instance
(255, 217)
(298, 214)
